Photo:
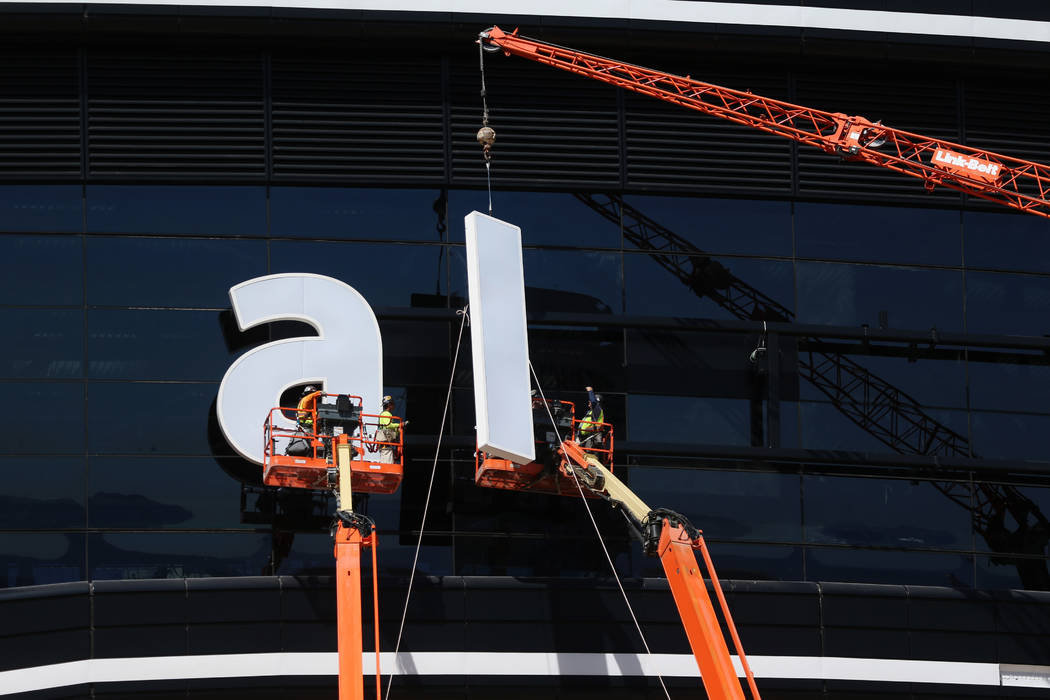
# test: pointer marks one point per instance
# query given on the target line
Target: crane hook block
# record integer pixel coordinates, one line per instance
(486, 136)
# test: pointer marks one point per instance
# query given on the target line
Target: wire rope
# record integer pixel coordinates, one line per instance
(598, 532)
(426, 505)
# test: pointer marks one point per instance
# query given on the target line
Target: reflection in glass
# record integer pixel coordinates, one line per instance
(696, 420)
(1009, 387)
(1006, 240)
(130, 418)
(999, 303)
(385, 274)
(899, 568)
(162, 492)
(496, 555)
(930, 382)
(885, 513)
(1010, 435)
(719, 225)
(545, 218)
(38, 270)
(41, 343)
(741, 561)
(156, 344)
(58, 405)
(572, 281)
(175, 209)
(728, 505)
(825, 427)
(133, 555)
(42, 493)
(902, 298)
(169, 272)
(878, 234)
(359, 212)
(652, 290)
(36, 558)
(41, 208)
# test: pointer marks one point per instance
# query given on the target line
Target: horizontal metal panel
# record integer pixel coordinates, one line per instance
(39, 114)
(175, 116)
(357, 120)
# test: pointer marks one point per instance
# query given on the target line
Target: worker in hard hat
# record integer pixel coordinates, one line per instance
(304, 413)
(389, 432)
(590, 429)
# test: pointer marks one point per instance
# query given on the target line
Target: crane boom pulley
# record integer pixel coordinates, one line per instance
(1013, 182)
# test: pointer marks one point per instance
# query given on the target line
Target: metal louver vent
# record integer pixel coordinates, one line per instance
(357, 120)
(39, 115)
(552, 129)
(905, 102)
(673, 148)
(176, 116)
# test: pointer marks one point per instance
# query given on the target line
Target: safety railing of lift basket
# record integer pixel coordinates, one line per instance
(367, 443)
(272, 433)
(598, 442)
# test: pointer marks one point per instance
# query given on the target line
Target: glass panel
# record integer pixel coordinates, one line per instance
(825, 427)
(728, 505)
(169, 271)
(330, 212)
(569, 359)
(1010, 435)
(41, 343)
(32, 558)
(42, 493)
(902, 297)
(1009, 387)
(883, 234)
(653, 290)
(127, 418)
(547, 557)
(385, 274)
(704, 364)
(897, 568)
(753, 227)
(41, 208)
(997, 303)
(693, 420)
(740, 561)
(162, 492)
(930, 382)
(57, 405)
(312, 554)
(41, 270)
(132, 555)
(545, 218)
(884, 513)
(156, 344)
(1012, 572)
(1006, 241)
(172, 209)
(417, 352)
(572, 282)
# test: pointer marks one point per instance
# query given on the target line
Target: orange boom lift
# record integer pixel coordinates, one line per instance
(334, 446)
(1013, 182)
(573, 467)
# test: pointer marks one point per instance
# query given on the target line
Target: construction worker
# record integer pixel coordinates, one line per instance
(304, 413)
(590, 431)
(389, 432)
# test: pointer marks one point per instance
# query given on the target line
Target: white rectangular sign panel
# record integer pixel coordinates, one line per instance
(499, 338)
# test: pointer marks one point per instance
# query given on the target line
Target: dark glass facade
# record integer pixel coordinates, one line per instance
(114, 299)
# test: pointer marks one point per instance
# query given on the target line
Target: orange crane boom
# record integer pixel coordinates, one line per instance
(1013, 182)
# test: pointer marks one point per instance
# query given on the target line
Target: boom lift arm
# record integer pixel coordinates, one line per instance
(672, 538)
(1016, 183)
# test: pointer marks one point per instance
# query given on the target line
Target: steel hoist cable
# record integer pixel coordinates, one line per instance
(598, 532)
(426, 505)
(486, 134)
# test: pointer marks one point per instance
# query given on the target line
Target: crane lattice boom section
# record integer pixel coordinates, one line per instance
(1013, 182)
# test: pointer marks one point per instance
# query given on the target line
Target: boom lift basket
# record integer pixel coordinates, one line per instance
(304, 456)
(550, 473)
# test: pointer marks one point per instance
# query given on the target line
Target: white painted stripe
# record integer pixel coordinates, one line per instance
(450, 663)
(681, 11)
